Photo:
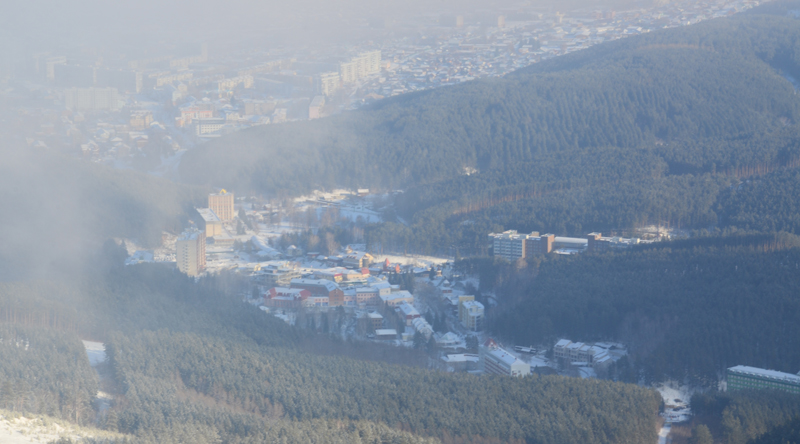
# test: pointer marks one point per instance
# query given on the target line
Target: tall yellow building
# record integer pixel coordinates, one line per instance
(222, 205)
(191, 251)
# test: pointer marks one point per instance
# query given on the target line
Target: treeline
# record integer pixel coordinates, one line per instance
(235, 385)
(46, 372)
(686, 313)
(757, 416)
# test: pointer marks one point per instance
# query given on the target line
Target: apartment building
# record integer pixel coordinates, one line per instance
(742, 377)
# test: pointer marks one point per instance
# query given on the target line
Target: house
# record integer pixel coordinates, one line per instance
(397, 297)
(282, 297)
(321, 288)
(407, 312)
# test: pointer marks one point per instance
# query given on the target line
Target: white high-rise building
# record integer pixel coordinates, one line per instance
(191, 251)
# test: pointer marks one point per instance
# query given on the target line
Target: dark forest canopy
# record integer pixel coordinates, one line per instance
(188, 359)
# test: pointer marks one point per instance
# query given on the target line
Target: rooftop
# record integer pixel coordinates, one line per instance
(770, 374)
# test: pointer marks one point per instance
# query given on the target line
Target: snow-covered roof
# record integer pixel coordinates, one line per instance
(769, 374)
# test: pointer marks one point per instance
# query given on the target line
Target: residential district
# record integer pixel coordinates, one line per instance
(420, 302)
(144, 113)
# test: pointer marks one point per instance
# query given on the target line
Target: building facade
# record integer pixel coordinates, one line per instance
(191, 252)
(211, 223)
(495, 360)
(321, 288)
(222, 205)
(743, 377)
(470, 313)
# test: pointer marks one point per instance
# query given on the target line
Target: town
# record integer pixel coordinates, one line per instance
(426, 303)
(144, 113)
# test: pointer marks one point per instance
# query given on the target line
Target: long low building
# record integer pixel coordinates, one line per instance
(743, 377)
(496, 360)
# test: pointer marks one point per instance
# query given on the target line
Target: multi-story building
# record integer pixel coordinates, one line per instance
(321, 288)
(375, 320)
(509, 245)
(367, 296)
(539, 245)
(88, 99)
(407, 312)
(276, 273)
(222, 205)
(494, 359)
(363, 65)
(282, 297)
(743, 377)
(191, 252)
(141, 119)
(580, 353)
(470, 313)
(211, 223)
(327, 83)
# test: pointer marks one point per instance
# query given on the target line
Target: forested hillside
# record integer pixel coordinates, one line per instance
(687, 310)
(275, 383)
(757, 417)
(192, 362)
(644, 130)
(46, 372)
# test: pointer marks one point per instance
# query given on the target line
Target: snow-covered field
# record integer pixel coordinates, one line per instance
(676, 400)
(18, 429)
(96, 352)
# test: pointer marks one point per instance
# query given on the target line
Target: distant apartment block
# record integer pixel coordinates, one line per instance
(141, 120)
(191, 252)
(90, 99)
(222, 205)
(495, 360)
(743, 377)
(470, 313)
(363, 65)
(327, 83)
(232, 82)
